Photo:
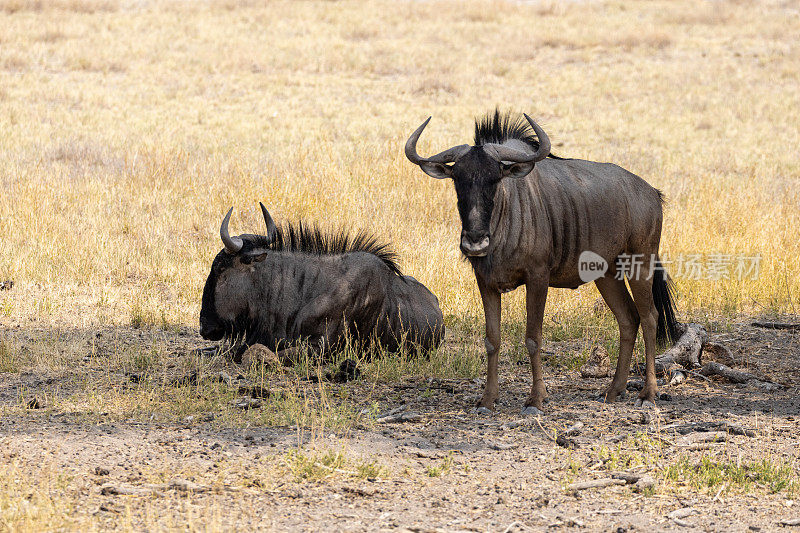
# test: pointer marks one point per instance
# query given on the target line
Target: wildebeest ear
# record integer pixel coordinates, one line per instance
(436, 170)
(258, 258)
(271, 229)
(517, 170)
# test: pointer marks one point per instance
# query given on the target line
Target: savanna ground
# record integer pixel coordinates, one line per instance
(129, 128)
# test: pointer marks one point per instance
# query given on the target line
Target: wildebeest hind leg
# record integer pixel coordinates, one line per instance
(491, 311)
(642, 289)
(619, 300)
(535, 297)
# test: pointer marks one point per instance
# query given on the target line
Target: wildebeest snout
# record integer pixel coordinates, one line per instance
(474, 243)
(211, 330)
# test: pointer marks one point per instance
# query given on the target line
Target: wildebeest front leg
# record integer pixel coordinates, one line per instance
(535, 296)
(491, 310)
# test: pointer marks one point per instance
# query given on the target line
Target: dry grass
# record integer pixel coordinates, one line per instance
(129, 128)
(126, 144)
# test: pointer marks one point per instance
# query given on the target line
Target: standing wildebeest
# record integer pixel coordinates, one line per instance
(299, 284)
(527, 218)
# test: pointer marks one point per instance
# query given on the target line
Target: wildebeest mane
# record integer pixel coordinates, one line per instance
(301, 238)
(497, 128)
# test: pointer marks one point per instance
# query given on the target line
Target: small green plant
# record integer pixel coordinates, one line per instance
(370, 470)
(314, 467)
(142, 361)
(708, 474)
(442, 468)
(637, 450)
(6, 307)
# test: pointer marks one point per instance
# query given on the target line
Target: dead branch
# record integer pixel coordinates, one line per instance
(685, 352)
(777, 325)
(733, 429)
(734, 376)
(596, 484)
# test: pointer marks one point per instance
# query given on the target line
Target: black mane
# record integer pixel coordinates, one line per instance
(496, 128)
(301, 238)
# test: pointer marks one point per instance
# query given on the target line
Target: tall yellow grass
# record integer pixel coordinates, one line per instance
(129, 128)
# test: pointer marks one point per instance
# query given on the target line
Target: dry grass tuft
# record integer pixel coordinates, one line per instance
(73, 6)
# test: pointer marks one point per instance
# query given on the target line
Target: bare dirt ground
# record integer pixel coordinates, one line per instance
(440, 469)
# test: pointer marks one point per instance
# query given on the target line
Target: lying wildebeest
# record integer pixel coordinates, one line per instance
(527, 219)
(297, 284)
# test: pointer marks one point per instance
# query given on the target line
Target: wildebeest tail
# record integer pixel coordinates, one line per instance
(664, 299)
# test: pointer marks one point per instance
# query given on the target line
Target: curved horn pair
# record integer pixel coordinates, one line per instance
(498, 151)
(234, 244)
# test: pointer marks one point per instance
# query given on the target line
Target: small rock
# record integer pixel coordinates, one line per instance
(6, 285)
(348, 371)
(681, 513)
(100, 471)
(642, 417)
(597, 365)
(409, 416)
(258, 354)
(645, 482)
(226, 378)
(635, 385)
(566, 442)
(246, 402)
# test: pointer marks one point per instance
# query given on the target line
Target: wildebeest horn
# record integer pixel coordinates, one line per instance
(232, 244)
(502, 152)
(448, 156)
(271, 229)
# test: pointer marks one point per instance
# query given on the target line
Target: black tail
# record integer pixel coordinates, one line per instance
(664, 299)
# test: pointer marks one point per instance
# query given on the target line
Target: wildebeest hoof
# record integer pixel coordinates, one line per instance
(645, 404)
(481, 410)
(531, 410)
(602, 397)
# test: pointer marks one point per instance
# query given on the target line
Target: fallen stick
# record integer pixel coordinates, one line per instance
(733, 429)
(777, 325)
(736, 376)
(596, 484)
